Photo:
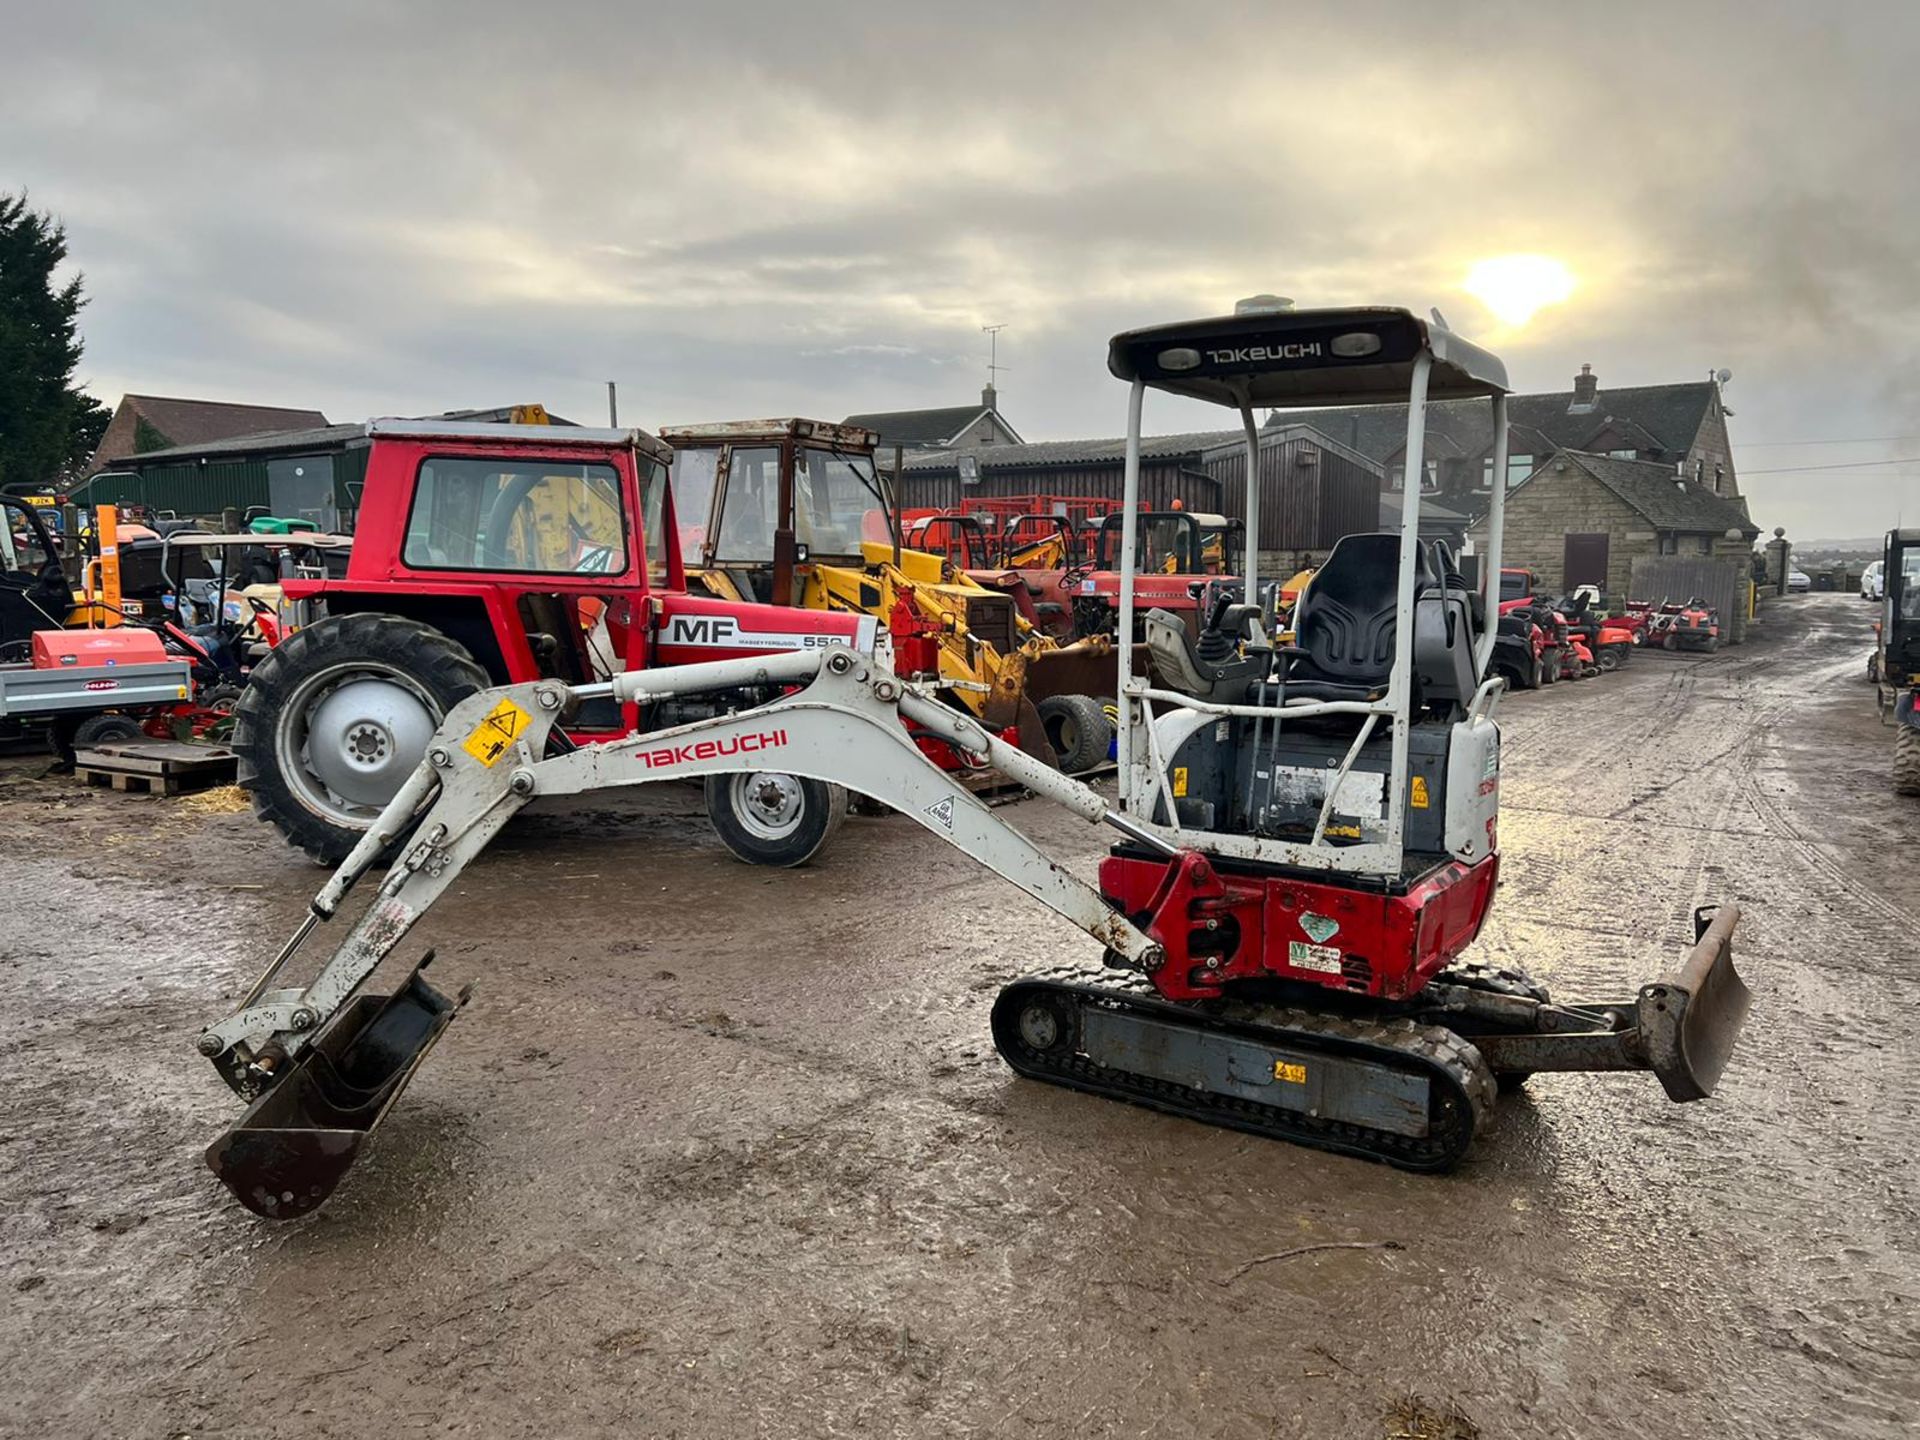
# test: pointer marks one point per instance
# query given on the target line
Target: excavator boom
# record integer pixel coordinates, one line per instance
(321, 1064)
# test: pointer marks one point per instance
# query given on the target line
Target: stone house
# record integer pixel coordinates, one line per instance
(1681, 426)
(1582, 519)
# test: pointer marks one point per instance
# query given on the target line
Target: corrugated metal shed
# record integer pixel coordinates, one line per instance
(182, 489)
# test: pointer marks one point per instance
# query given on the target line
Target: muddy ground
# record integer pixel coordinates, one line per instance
(719, 1152)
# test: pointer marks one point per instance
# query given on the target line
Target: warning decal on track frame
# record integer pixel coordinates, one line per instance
(493, 735)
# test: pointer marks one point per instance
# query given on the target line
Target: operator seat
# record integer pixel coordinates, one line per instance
(1344, 624)
(1346, 621)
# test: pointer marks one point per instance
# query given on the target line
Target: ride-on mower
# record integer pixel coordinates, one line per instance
(1308, 837)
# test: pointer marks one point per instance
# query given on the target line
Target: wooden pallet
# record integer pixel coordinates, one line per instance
(155, 767)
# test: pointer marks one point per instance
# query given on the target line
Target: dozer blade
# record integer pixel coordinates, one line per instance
(289, 1149)
(1690, 1019)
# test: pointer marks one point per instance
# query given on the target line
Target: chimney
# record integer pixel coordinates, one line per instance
(987, 398)
(1586, 388)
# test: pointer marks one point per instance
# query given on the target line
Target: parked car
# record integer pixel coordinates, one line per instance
(1873, 581)
(1799, 582)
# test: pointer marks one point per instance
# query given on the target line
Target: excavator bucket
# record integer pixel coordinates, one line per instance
(1690, 1019)
(286, 1153)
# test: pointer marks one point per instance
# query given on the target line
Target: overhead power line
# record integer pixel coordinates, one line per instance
(1842, 440)
(1842, 465)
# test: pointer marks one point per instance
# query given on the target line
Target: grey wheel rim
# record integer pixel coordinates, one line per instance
(768, 804)
(356, 731)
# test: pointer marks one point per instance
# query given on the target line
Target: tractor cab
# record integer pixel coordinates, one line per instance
(761, 503)
(1898, 661)
(1173, 542)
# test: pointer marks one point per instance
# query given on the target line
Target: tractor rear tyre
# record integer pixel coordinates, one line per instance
(768, 818)
(336, 717)
(1078, 729)
(1906, 761)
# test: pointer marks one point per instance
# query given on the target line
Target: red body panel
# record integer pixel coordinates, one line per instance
(124, 645)
(1388, 946)
(696, 627)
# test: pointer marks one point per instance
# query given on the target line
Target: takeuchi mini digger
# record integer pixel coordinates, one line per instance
(1307, 833)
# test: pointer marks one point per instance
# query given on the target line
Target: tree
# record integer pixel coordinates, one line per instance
(47, 427)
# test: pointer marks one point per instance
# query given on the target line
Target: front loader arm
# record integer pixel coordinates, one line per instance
(488, 760)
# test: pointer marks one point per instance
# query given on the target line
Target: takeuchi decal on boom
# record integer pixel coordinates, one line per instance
(711, 749)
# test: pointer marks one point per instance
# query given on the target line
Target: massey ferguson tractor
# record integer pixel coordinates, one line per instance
(509, 554)
(1307, 838)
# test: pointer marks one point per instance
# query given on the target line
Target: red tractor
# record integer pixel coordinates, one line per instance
(496, 554)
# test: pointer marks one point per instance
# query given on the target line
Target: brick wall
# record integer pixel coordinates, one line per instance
(1553, 505)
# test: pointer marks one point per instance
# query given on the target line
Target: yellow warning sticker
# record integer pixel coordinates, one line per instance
(492, 736)
(1420, 801)
(1179, 782)
(1290, 1071)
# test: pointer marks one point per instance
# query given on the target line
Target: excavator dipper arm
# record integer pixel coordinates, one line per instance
(488, 760)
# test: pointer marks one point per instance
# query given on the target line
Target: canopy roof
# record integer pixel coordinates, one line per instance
(1357, 356)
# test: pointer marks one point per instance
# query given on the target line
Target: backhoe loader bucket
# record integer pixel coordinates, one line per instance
(1689, 1020)
(285, 1154)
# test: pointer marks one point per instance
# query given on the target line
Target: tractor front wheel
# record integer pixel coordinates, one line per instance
(336, 717)
(768, 818)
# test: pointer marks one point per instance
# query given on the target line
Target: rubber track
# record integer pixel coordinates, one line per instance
(1446, 1059)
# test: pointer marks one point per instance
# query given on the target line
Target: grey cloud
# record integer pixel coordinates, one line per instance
(750, 208)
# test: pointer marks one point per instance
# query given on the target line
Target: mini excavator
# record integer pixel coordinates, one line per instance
(1306, 832)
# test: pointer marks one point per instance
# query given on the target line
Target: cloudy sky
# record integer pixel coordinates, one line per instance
(741, 209)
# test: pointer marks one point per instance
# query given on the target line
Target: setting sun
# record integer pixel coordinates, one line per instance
(1515, 287)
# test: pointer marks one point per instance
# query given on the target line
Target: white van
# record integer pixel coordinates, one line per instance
(1873, 581)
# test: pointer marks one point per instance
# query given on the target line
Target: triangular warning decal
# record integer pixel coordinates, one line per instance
(943, 812)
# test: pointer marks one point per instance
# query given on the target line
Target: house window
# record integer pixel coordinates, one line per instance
(1518, 468)
(1719, 477)
(1700, 545)
(1669, 545)
(1699, 472)
(1397, 477)
(1485, 484)
(1430, 479)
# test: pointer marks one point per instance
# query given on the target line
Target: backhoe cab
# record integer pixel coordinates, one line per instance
(1307, 834)
(793, 512)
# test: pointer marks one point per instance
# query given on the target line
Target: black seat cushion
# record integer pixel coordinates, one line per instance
(1345, 622)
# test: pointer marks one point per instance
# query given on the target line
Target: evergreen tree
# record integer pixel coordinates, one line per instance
(47, 428)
